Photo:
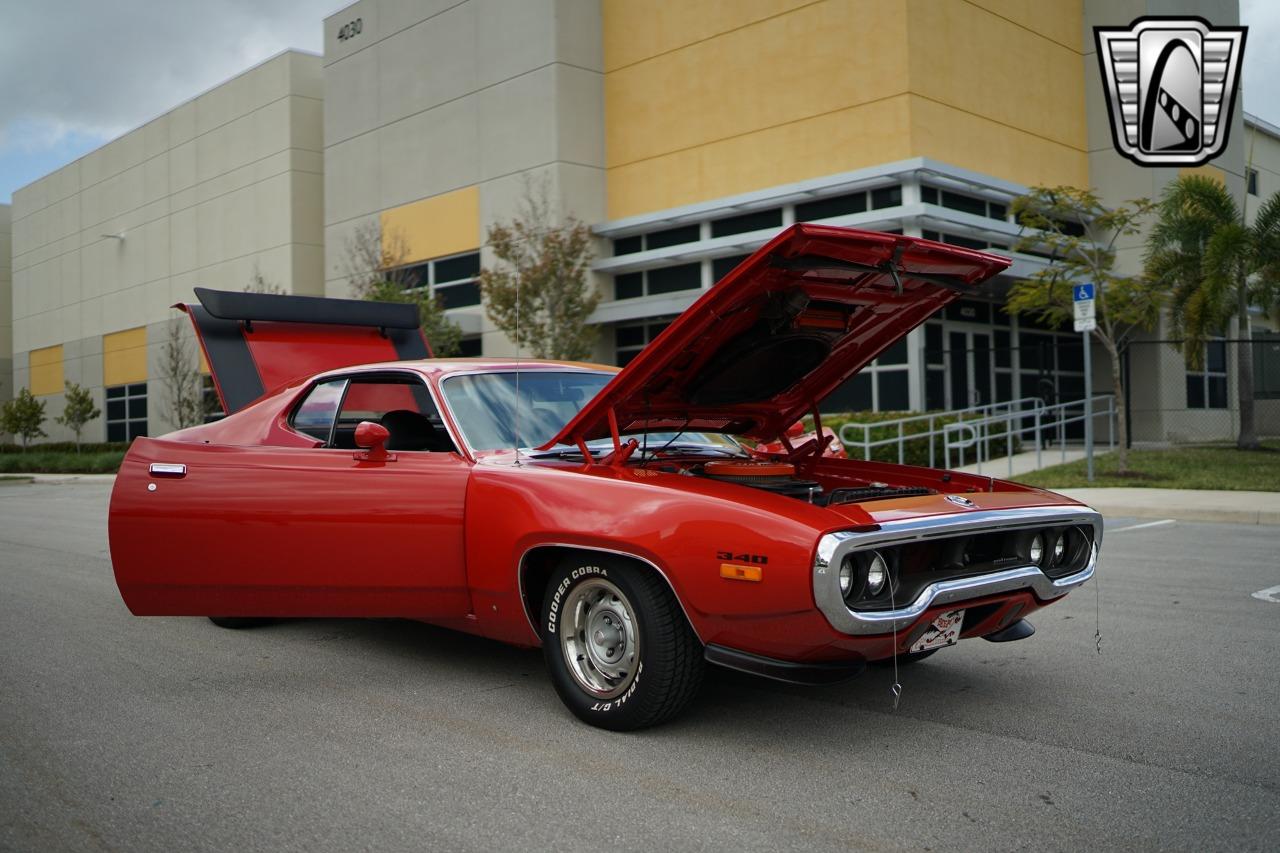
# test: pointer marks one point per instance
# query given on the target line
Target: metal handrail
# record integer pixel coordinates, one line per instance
(978, 432)
(1022, 404)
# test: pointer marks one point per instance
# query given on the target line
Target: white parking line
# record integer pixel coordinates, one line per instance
(1145, 525)
(1268, 594)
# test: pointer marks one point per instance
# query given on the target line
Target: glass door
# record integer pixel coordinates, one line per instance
(969, 368)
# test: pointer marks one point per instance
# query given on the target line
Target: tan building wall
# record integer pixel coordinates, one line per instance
(706, 99)
(6, 304)
(223, 188)
(1262, 154)
(441, 112)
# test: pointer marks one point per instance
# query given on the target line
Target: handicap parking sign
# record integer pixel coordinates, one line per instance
(1082, 292)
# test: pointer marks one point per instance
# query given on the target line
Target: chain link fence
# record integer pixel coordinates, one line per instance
(1172, 401)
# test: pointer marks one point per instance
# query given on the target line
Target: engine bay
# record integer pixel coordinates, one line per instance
(781, 478)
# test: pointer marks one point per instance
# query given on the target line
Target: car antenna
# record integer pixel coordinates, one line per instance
(516, 413)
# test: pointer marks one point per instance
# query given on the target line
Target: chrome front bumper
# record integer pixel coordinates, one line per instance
(826, 582)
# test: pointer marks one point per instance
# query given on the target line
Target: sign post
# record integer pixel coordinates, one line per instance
(1086, 320)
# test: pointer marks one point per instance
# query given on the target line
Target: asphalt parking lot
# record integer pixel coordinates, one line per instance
(121, 733)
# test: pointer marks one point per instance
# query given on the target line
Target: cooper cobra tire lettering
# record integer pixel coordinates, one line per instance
(580, 572)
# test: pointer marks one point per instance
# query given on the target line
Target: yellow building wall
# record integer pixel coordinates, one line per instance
(433, 227)
(998, 87)
(710, 98)
(46, 370)
(124, 357)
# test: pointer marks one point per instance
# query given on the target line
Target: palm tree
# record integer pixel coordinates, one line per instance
(1215, 266)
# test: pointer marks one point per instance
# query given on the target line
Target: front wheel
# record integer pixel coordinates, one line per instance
(620, 652)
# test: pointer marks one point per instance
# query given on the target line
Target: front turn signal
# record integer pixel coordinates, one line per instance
(735, 572)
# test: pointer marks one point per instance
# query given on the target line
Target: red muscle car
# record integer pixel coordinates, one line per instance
(612, 517)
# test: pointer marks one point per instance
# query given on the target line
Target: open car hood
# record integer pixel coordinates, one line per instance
(782, 331)
(254, 342)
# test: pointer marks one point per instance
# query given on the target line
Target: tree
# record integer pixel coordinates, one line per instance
(78, 411)
(540, 297)
(377, 271)
(1215, 266)
(184, 404)
(1080, 235)
(258, 283)
(24, 417)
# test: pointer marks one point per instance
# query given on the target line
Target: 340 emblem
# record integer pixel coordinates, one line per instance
(757, 559)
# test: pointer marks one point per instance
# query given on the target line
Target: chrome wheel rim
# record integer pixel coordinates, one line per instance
(599, 638)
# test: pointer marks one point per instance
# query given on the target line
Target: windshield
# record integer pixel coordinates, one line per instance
(656, 443)
(483, 404)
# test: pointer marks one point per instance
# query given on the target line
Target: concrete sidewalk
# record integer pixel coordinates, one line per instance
(1026, 462)
(1183, 504)
(68, 478)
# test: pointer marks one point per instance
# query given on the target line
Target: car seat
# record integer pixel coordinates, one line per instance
(410, 431)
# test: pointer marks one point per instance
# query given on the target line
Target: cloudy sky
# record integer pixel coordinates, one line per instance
(76, 74)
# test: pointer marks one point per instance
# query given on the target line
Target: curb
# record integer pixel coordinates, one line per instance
(1267, 514)
(1216, 516)
(60, 479)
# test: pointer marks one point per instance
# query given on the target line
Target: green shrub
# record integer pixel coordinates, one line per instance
(915, 451)
(41, 461)
(68, 447)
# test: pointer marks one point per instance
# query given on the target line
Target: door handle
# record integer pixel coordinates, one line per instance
(168, 469)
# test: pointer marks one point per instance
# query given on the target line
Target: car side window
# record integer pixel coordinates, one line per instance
(399, 402)
(315, 415)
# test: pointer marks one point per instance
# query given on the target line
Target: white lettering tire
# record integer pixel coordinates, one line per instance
(619, 650)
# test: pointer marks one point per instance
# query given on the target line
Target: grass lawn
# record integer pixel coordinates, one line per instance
(36, 461)
(1175, 468)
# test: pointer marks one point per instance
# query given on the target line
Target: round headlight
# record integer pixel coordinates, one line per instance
(1037, 548)
(877, 574)
(846, 577)
(1059, 548)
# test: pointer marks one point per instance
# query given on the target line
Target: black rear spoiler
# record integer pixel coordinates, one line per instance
(314, 334)
(277, 308)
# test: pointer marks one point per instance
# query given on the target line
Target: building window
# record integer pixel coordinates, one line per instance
(957, 240)
(830, 208)
(884, 385)
(672, 237)
(757, 220)
(975, 205)
(469, 347)
(1266, 365)
(1252, 178)
(630, 338)
(126, 411)
(661, 280)
(657, 239)
(886, 197)
(1207, 388)
(721, 267)
(454, 280)
(628, 245)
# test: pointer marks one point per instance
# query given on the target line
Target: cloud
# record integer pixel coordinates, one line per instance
(1261, 60)
(94, 70)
